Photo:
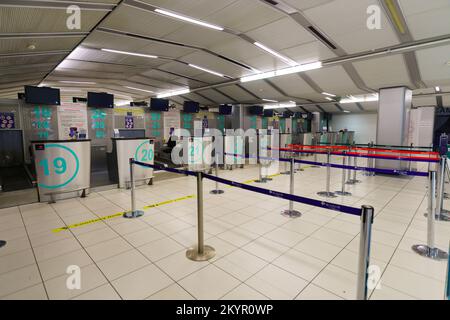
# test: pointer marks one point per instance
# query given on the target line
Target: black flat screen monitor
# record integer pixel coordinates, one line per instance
(268, 113)
(42, 95)
(191, 107)
(159, 104)
(100, 100)
(286, 114)
(225, 109)
(256, 110)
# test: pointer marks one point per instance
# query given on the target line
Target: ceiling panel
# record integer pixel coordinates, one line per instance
(334, 80)
(309, 52)
(311, 108)
(352, 107)
(263, 90)
(198, 9)
(430, 20)
(215, 96)
(433, 65)
(31, 60)
(371, 106)
(126, 18)
(198, 36)
(306, 4)
(238, 49)
(153, 83)
(293, 85)
(345, 22)
(446, 101)
(281, 34)
(424, 101)
(245, 15)
(331, 108)
(41, 44)
(237, 93)
(22, 19)
(266, 62)
(384, 72)
(195, 97)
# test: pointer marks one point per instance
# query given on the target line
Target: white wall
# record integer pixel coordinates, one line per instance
(364, 125)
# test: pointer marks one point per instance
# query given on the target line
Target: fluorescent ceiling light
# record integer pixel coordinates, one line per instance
(173, 93)
(206, 70)
(328, 94)
(362, 98)
(191, 20)
(131, 53)
(133, 88)
(281, 72)
(276, 54)
(269, 100)
(279, 106)
(78, 82)
(346, 111)
(438, 89)
(329, 99)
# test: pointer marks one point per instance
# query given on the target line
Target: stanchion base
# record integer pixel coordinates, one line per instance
(353, 181)
(343, 193)
(443, 216)
(268, 179)
(2, 243)
(285, 172)
(426, 251)
(216, 191)
(326, 194)
(291, 213)
(133, 214)
(262, 180)
(208, 253)
(314, 166)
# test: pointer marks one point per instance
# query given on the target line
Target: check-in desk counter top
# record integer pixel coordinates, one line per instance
(62, 168)
(140, 149)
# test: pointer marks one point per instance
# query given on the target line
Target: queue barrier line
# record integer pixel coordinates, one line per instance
(347, 167)
(303, 147)
(375, 145)
(277, 194)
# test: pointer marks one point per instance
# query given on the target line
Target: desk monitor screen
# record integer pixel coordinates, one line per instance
(132, 133)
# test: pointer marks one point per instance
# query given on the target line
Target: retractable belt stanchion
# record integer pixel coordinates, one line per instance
(291, 212)
(202, 252)
(447, 283)
(327, 193)
(133, 213)
(286, 171)
(217, 190)
(367, 215)
(441, 213)
(315, 155)
(355, 164)
(342, 192)
(429, 250)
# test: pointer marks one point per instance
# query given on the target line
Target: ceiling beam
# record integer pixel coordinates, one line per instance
(61, 5)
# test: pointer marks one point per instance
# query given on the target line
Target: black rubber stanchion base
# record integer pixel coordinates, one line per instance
(343, 193)
(133, 214)
(326, 194)
(291, 213)
(217, 191)
(353, 181)
(285, 172)
(262, 180)
(432, 253)
(2, 243)
(208, 253)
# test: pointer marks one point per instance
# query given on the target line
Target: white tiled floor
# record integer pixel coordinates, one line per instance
(260, 254)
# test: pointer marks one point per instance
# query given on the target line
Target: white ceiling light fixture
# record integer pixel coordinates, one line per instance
(362, 98)
(281, 72)
(269, 100)
(131, 53)
(276, 54)
(78, 82)
(329, 99)
(279, 106)
(206, 70)
(328, 94)
(346, 111)
(133, 88)
(188, 19)
(437, 89)
(173, 93)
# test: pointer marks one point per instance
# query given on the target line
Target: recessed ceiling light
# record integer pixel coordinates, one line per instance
(269, 100)
(346, 111)
(329, 99)
(188, 19)
(173, 93)
(131, 53)
(438, 89)
(206, 70)
(78, 82)
(133, 88)
(276, 54)
(328, 94)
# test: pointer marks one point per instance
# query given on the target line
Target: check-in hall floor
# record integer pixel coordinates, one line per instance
(260, 253)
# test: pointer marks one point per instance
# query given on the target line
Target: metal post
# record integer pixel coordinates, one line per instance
(286, 171)
(441, 213)
(327, 193)
(291, 212)
(429, 250)
(447, 285)
(217, 190)
(367, 214)
(342, 192)
(202, 252)
(133, 213)
(410, 150)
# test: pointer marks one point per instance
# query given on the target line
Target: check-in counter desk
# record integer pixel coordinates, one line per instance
(199, 153)
(62, 168)
(140, 149)
(234, 144)
(266, 141)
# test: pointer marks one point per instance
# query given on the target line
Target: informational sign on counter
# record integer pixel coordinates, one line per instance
(70, 116)
(172, 119)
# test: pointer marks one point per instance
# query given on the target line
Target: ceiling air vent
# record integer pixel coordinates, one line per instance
(321, 37)
(274, 3)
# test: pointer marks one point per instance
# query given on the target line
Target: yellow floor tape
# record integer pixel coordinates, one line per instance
(119, 214)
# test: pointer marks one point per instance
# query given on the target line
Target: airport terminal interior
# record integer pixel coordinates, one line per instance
(224, 149)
